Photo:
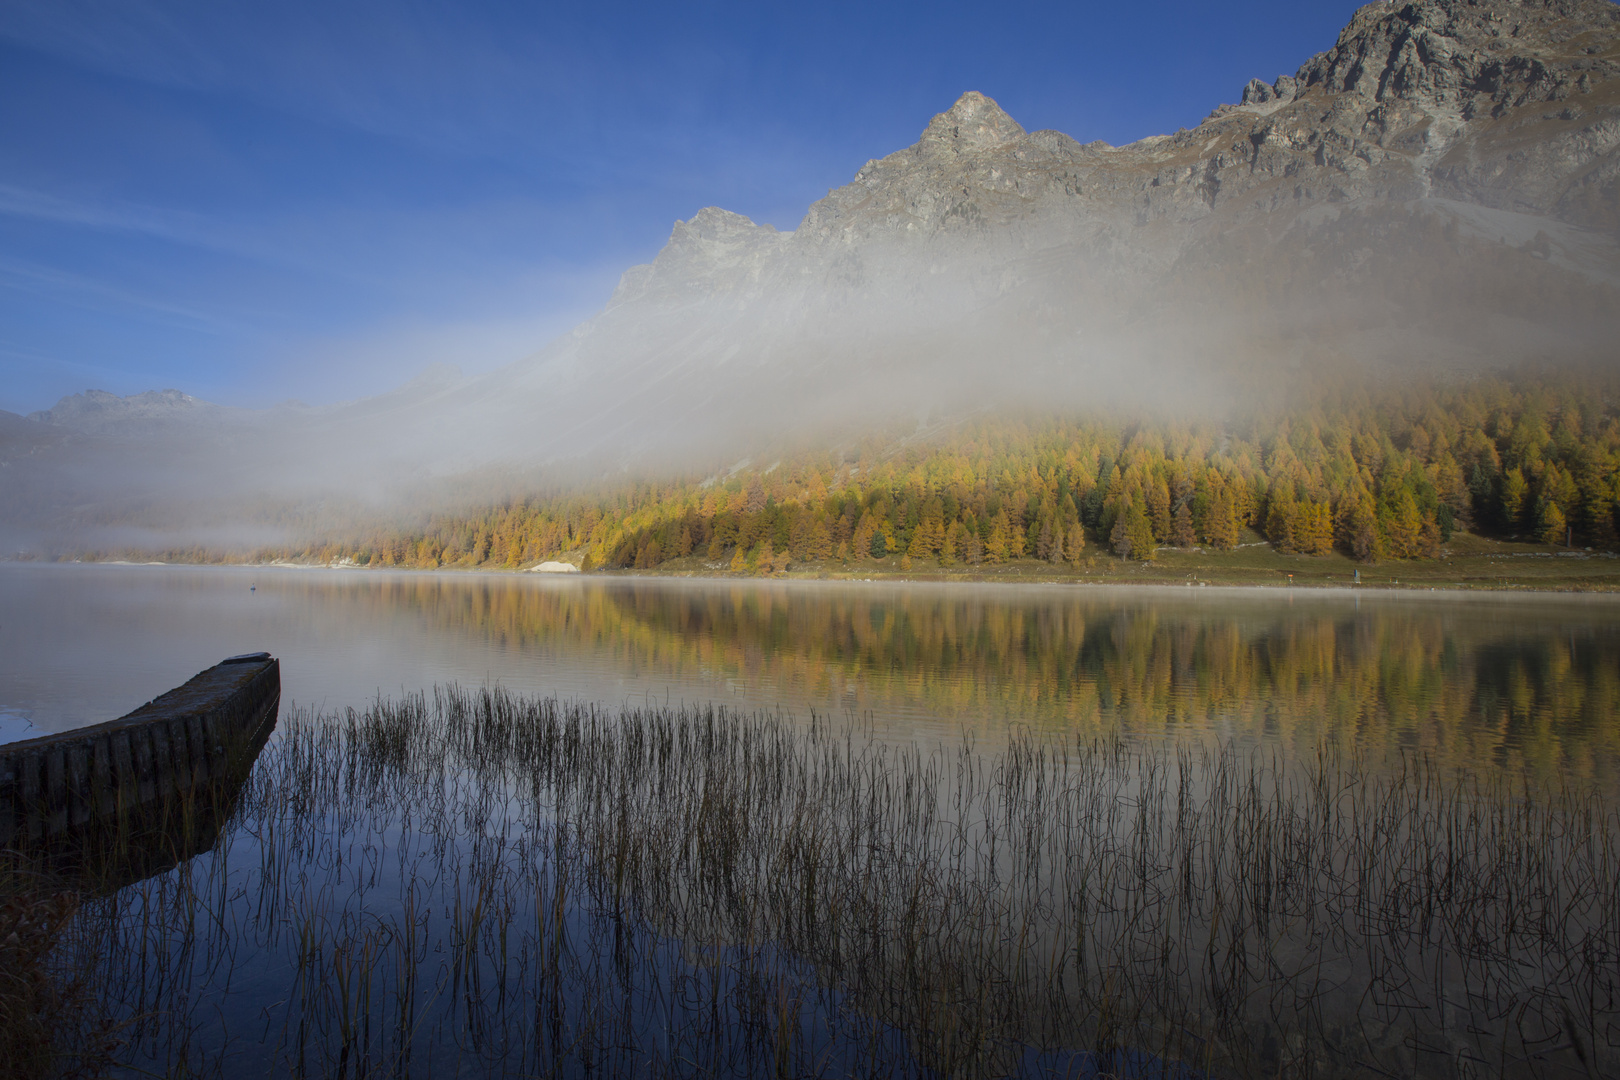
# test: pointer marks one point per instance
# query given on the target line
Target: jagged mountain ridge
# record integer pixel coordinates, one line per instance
(1444, 99)
(1441, 186)
(1500, 118)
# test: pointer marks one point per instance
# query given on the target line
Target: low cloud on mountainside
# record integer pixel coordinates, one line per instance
(1429, 196)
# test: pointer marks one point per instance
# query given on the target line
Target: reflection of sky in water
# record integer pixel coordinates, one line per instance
(1487, 680)
(16, 725)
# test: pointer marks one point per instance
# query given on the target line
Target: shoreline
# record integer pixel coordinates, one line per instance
(1024, 574)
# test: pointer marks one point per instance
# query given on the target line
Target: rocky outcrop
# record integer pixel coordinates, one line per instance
(716, 249)
(97, 410)
(1440, 153)
(1512, 106)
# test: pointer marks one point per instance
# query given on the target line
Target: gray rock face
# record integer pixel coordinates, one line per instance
(973, 125)
(716, 249)
(1295, 212)
(1257, 93)
(1512, 106)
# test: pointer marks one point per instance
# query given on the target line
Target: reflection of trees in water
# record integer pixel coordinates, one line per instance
(1542, 699)
(1441, 680)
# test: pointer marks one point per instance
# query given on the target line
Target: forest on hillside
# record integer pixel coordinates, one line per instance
(1386, 475)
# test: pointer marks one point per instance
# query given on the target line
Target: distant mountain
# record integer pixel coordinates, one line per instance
(99, 411)
(1439, 191)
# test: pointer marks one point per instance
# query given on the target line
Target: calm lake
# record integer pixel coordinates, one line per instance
(1158, 853)
(1488, 681)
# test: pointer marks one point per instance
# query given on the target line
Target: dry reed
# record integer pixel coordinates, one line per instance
(473, 883)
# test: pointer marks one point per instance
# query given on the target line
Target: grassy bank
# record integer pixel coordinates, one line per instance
(1468, 562)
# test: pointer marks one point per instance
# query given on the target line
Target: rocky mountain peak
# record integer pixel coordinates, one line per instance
(713, 241)
(1438, 190)
(974, 123)
(1508, 106)
(1452, 51)
(712, 223)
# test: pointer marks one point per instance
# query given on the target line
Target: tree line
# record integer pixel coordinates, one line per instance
(1388, 475)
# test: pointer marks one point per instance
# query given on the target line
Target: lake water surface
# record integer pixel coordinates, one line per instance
(480, 884)
(1485, 680)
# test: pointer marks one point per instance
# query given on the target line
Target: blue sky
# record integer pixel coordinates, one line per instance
(260, 201)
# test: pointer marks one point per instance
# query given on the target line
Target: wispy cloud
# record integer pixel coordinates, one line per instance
(176, 226)
(37, 361)
(64, 286)
(264, 240)
(421, 74)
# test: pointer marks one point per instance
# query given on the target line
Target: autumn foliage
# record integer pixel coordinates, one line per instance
(1375, 476)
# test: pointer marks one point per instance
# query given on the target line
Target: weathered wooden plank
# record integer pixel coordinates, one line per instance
(175, 747)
